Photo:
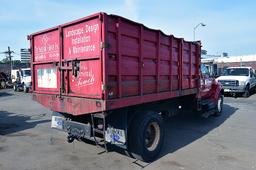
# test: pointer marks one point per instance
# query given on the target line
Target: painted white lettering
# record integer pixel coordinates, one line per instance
(88, 48)
(75, 32)
(91, 28)
(80, 40)
(86, 77)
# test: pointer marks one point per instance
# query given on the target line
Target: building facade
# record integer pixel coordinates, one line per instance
(25, 55)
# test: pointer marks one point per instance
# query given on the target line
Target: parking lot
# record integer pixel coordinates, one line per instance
(192, 142)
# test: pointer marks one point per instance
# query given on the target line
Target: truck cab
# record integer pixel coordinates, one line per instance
(238, 80)
(211, 93)
(21, 79)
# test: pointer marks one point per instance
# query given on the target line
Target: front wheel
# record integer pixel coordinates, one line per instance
(246, 92)
(3, 84)
(219, 105)
(146, 136)
(25, 89)
(14, 87)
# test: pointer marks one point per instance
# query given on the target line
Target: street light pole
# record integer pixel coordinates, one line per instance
(194, 30)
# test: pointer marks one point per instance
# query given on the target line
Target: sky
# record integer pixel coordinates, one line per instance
(230, 24)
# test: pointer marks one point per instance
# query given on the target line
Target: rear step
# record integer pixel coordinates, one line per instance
(98, 140)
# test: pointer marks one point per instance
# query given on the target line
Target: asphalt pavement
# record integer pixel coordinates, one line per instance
(227, 142)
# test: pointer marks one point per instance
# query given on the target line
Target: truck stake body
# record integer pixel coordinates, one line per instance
(112, 80)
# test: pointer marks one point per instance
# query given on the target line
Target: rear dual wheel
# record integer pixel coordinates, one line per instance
(146, 136)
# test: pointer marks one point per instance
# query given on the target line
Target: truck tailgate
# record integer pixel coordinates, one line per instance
(67, 60)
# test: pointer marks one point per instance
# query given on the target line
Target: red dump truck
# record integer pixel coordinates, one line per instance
(113, 81)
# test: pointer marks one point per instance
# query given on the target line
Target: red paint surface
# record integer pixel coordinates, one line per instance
(137, 64)
(88, 82)
(82, 40)
(46, 47)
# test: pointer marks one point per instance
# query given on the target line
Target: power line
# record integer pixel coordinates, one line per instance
(8, 53)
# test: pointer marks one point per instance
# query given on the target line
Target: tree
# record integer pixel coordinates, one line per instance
(5, 60)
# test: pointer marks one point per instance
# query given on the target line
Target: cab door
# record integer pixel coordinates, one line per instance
(252, 78)
(206, 82)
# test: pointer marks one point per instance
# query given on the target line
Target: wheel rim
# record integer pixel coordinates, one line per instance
(220, 104)
(2, 85)
(152, 136)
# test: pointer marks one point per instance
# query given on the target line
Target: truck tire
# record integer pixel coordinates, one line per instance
(146, 136)
(247, 91)
(14, 87)
(25, 89)
(219, 105)
(3, 84)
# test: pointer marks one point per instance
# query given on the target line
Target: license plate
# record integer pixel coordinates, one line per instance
(57, 122)
(115, 136)
(226, 90)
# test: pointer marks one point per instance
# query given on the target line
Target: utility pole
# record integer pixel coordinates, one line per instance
(9, 52)
(8, 55)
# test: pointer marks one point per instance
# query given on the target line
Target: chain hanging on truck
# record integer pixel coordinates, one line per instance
(75, 67)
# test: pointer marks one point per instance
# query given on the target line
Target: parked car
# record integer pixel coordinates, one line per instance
(238, 80)
(3, 80)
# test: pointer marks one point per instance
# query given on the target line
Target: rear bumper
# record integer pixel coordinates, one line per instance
(74, 129)
(71, 105)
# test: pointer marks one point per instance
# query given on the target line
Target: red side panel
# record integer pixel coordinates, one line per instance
(46, 52)
(82, 40)
(67, 66)
(88, 81)
(81, 44)
(46, 47)
(143, 61)
(189, 65)
(57, 52)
